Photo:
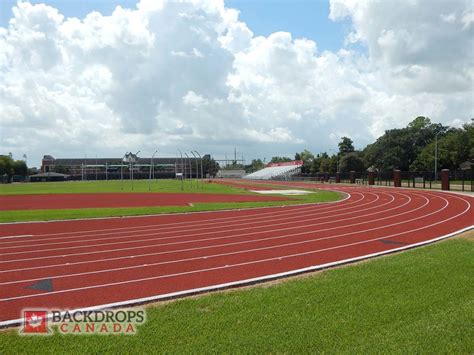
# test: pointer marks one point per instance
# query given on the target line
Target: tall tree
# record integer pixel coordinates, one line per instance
(346, 145)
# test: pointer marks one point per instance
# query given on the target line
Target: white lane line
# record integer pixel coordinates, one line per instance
(176, 235)
(193, 224)
(182, 242)
(234, 265)
(212, 255)
(246, 242)
(185, 214)
(17, 236)
(171, 295)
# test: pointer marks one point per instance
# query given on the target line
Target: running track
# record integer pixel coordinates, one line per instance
(120, 261)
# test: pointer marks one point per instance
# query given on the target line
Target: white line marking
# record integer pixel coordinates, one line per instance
(213, 221)
(251, 241)
(227, 265)
(190, 241)
(17, 236)
(259, 279)
(240, 228)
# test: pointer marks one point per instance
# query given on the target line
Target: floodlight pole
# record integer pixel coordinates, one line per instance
(184, 173)
(190, 169)
(121, 171)
(197, 169)
(131, 160)
(202, 176)
(436, 156)
(151, 167)
(182, 181)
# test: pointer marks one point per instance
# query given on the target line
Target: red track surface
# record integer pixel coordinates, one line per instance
(64, 201)
(125, 260)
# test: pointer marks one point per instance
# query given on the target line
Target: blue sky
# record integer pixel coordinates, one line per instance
(302, 18)
(192, 77)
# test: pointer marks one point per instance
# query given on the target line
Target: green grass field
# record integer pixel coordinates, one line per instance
(116, 186)
(419, 301)
(163, 186)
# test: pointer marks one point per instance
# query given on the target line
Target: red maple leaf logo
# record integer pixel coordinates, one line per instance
(35, 322)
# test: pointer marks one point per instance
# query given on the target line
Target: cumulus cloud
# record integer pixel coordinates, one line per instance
(192, 75)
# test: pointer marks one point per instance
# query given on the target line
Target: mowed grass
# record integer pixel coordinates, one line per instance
(163, 186)
(116, 186)
(419, 301)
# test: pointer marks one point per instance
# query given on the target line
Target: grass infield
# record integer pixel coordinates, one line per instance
(116, 186)
(162, 186)
(419, 301)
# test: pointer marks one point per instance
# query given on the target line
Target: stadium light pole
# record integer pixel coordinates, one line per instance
(436, 156)
(182, 181)
(190, 169)
(121, 171)
(151, 167)
(136, 155)
(197, 168)
(202, 176)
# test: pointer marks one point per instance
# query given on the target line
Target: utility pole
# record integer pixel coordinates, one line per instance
(436, 156)
(151, 168)
(131, 162)
(121, 171)
(190, 169)
(197, 169)
(182, 177)
(202, 176)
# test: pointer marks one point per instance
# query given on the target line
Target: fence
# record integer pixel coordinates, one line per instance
(456, 180)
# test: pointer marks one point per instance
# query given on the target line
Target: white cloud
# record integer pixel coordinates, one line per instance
(191, 75)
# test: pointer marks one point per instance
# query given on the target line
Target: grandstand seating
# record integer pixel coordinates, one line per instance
(276, 171)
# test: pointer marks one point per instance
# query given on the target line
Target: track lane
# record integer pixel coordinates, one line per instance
(185, 270)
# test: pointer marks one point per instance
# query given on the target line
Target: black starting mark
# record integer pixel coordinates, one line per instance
(43, 285)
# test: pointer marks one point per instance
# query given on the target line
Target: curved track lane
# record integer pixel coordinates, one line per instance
(119, 261)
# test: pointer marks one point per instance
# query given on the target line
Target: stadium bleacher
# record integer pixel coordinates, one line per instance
(276, 171)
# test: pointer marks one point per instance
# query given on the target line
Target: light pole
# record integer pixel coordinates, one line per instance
(436, 156)
(197, 169)
(190, 169)
(184, 172)
(121, 171)
(202, 176)
(182, 178)
(151, 168)
(132, 160)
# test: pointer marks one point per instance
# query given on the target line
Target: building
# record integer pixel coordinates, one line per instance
(117, 168)
(49, 176)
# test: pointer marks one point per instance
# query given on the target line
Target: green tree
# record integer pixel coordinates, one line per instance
(307, 157)
(346, 145)
(399, 148)
(280, 160)
(352, 162)
(6, 167)
(454, 147)
(209, 166)
(20, 168)
(256, 164)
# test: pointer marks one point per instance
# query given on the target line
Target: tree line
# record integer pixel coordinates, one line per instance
(10, 167)
(411, 148)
